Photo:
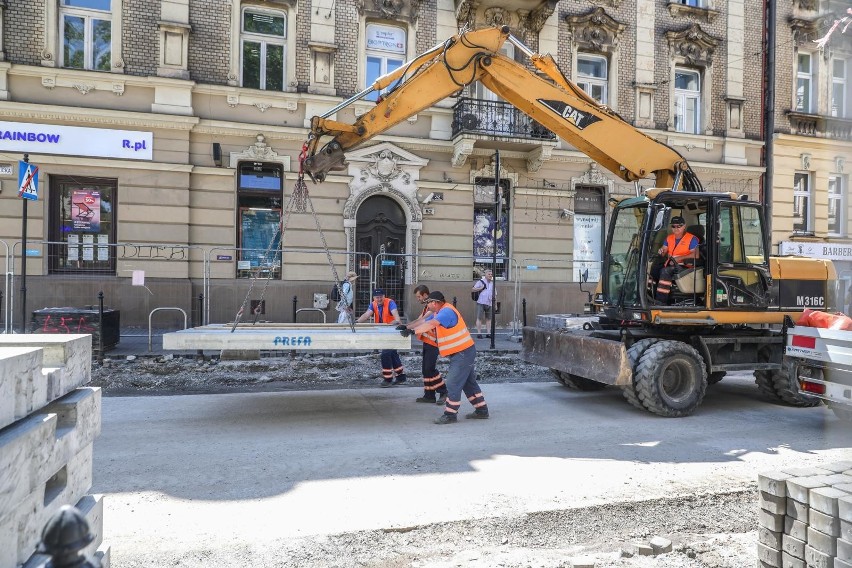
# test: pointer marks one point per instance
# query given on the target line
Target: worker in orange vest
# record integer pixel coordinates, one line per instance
(456, 343)
(680, 252)
(384, 310)
(433, 384)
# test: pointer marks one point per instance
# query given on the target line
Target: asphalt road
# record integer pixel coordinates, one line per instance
(223, 470)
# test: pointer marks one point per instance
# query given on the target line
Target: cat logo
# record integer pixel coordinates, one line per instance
(579, 119)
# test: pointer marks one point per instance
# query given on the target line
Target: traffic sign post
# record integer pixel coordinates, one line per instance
(28, 191)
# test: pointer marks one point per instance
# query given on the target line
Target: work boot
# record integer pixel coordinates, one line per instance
(442, 398)
(446, 419)
(400, 379)
(428, 396)
(477, 414)
(386, 384)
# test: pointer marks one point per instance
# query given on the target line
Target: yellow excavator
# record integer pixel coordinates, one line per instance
(726, 312)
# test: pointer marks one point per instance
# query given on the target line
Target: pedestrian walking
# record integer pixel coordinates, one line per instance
(384, 310)
(455, 342)
(434, 388)
(484, 288)
(345, 305)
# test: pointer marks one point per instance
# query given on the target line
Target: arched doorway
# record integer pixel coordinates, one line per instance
(380, 229)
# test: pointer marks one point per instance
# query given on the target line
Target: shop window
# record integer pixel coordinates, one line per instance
(385, 52)
(687, 101)
(86, 34)
(802, 200)
(260, 187)
(836, 206)
(485, 214)
(82, 225)
(804, 83)
(588, 233)
(839, 103)
(264, 49)
(592, 76)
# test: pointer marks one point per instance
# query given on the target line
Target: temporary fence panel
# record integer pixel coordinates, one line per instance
(64, 281)
(536, 279)
(280, 284)
(6, 304)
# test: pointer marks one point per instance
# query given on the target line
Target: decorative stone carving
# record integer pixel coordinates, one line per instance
(806, 161)
(83, 88)
(592, 176)
(595, 31)
(805, 31)
(809, 5)
(466, 13)
(488, 171)
(389, 9)
(496, 16)
(610, 3)
(537, 157)
(385, 164)
(48, 82)
(678, 10)
(839, 164)
(118, 89)
(259, 152)
(535, 20)
(462, 148)
(262, 107)
(693, 44)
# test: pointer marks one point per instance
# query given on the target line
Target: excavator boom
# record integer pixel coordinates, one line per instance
(554, 101)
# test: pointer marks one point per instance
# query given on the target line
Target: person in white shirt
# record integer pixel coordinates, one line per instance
(485, 287)
(344, 306)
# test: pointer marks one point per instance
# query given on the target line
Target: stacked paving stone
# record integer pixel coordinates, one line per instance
(560, 321)
(806, 517)
(48, 424)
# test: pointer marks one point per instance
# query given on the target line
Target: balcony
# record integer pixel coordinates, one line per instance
(496, 118)
(820, 126)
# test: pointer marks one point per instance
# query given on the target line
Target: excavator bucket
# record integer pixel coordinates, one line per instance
(578, 353)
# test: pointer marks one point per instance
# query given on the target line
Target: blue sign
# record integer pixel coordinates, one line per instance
(532, 267)
(224, 257)
(388, 263)
(33, 252)
(28, 181)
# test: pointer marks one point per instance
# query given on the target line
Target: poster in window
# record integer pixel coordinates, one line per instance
(73, 248)
(258, 234)
(88, 248)
(483, 233)
(86, 210)
(588, 231)
(103, 248)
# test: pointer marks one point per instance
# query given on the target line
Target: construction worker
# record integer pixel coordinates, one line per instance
(384, 310)
(679, 251)
(433, 384)
(455, 342)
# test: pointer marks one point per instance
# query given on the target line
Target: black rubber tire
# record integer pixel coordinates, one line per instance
(579, 383)
(671, 379)
(633, 354)
(782, 386)
(842, 413)
(714, 378)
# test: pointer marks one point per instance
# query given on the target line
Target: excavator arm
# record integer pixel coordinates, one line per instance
(547, 97)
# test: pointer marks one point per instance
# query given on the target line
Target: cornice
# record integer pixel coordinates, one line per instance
(225, 128)
(104, 163)
(102, 117)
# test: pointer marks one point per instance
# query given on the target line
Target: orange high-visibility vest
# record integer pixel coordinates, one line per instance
(682, 246)
(387, 317)
(455, 339)
(430, 337)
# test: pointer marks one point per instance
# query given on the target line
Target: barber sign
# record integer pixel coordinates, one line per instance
(28, 181)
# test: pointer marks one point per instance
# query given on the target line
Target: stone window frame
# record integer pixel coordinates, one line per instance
(808, 194)
(597, 33)
(678, 93)
(839, 197)
(811, 76)
(52, 36)
(605, 82)
(843, 82)
(693, 49)
(364, 21)
(235, 68)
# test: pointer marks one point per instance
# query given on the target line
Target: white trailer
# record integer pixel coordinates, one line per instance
(823, 360)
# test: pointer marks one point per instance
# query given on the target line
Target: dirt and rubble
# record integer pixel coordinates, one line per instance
(706, 531)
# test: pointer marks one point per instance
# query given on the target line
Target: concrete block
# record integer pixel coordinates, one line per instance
(847, 487)
(825, 524)
(837, 467)
(797, 510)
(822, 542)
(796, 529)
(844, 508)
(660, 545)
(769, 556)
(816, 559)
(836, 479)
(770, 538)
(824, 500)
(638, 549)
(807, 471)
(793, 546)
(788, 561)
(71, 351)
(772, 503)
(773, 482)
(20, 528)
(799, 487)
(844, 550)
(846, 531)
(19, 367)
(771, 521)
(35, 448)
(582, 562)
(92, 508)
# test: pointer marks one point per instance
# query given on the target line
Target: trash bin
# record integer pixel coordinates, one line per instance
(79, 320)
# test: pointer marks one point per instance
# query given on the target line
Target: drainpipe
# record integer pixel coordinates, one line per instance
(769, 115)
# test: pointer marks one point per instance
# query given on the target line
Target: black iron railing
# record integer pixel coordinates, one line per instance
(496, 118)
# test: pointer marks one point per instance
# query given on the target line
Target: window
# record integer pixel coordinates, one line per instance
(592, 76)
(836, 206)
(86, 34)
(804, 83)
(260, 187)
(264, 46)
(696, 3)
(385, 53)
(82, 214)
(484, 216)
(802, 203)
(687, 101)
(838, 88)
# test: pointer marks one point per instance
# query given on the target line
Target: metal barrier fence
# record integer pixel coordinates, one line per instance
(557, 270)
(6, 304)
(281, 288)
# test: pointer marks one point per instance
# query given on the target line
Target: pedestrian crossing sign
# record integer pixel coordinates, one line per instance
(28, 181)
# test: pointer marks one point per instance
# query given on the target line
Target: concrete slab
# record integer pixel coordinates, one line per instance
(19, 367)
(73, 352)
(284, 337)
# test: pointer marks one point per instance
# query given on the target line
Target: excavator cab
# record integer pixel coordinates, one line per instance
(730, 270)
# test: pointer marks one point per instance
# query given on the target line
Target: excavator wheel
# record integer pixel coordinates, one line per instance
(671, 379)
(634, 353)
(714, 378)
(781, 385)
(576, 382)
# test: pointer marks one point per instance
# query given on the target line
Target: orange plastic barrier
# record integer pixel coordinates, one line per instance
(813, 318)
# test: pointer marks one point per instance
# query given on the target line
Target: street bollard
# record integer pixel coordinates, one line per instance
(295, 307)
(200, 353)
(524, 311)
(64, 536)
(101, 327)
(455, 300)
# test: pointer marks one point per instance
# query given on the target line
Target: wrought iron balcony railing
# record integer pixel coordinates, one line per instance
(496, 118)
(820, 126)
